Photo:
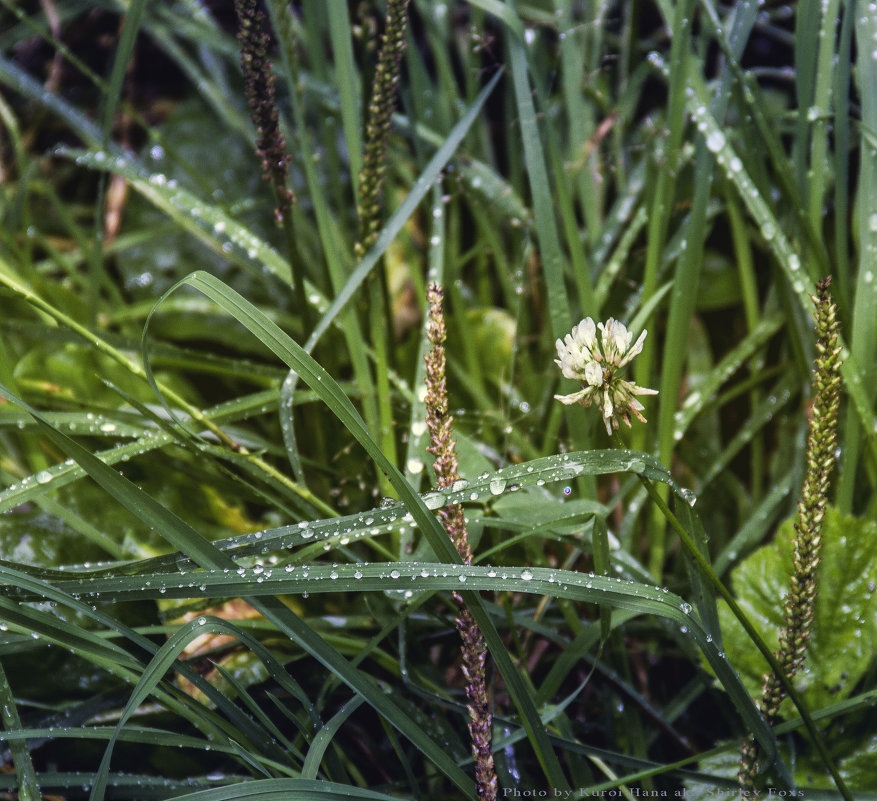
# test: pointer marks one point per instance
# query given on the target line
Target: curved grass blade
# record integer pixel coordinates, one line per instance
(388, 233)
(108, 655)
(324, 738)
(504, 12)
(125, 785)
(164, 658)
(186, 539)
(863, 336)
(635, 597)
(316, 535)
(145, 735)
(852, 369)
(15, 77)
(321, 382)
(63, 473)
(28, 788)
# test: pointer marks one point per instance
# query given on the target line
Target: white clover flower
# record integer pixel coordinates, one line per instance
(581, 357)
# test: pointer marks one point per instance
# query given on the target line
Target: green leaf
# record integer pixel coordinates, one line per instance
(845, 627)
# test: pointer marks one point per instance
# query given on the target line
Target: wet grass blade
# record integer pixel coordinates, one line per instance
(28, 788)
(321, 382)
(398, 219)
(426, 576)
(184, 538)
(543, 206)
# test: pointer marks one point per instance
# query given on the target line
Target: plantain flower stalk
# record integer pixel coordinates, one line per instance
(259, 88)
(377, 130)
(595, 364)
(443, 448)
(800, 602)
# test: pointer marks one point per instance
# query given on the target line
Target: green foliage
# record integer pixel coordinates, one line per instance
(161, 466)
(845, 625)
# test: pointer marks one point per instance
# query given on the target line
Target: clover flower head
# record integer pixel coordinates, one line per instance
(580, 356)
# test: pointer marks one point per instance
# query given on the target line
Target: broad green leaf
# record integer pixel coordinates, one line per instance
(845, 626)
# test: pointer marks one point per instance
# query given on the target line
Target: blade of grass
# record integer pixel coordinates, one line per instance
(668, 160)
(324, 737)
(337, 259)
(285, 790)
(110, 656)
(10, 280)
(204, 553)
(819, 112)
(687, 275)
(15, 77)
(389, 232)
(26, 777)
(321, 382)
(537, 175)
(131, 22)
(721, 590)
(431, 576)
(398, 219)
(863, 336)
(346, 80)
(842, 154)
(164, 658)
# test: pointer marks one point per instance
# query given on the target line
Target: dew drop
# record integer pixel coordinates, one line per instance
(497, 485)
(715, 141)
